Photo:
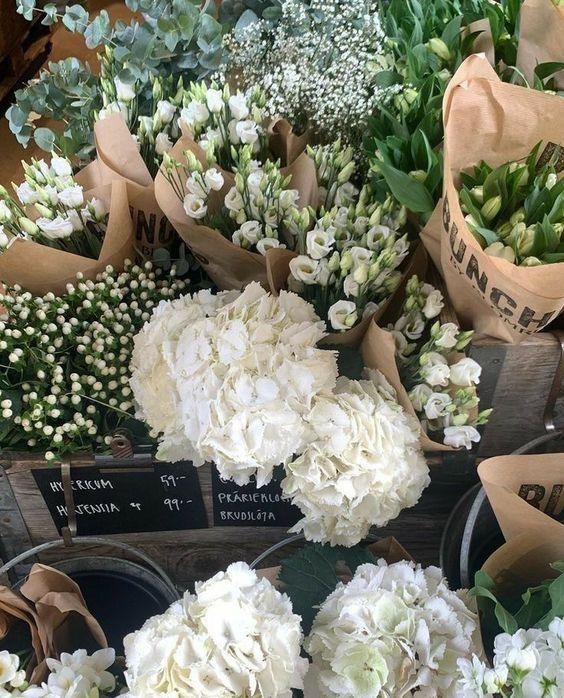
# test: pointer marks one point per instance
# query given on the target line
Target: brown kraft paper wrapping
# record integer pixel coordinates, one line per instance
(119, 158)
(228, 265)
(526, 492)
(278, 270)
(487, 119)
(55, 610)
(541, 38)
(41, 269)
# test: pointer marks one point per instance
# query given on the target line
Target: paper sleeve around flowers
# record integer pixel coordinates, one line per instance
(540, 38)
(536, 478)
(41, 269)
(493, 296)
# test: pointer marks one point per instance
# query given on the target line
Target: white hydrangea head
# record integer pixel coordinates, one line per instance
(236, 636)
(392, 630)
(363, 466)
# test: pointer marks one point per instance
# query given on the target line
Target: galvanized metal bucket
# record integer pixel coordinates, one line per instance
(472, 533)
(120, 594)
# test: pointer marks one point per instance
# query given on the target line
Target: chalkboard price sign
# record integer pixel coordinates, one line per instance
(164, 497)
(249, 505)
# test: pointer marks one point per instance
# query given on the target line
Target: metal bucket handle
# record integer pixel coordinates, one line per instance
(100, 541)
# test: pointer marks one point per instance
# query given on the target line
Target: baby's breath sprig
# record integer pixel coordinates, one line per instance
(64, 360)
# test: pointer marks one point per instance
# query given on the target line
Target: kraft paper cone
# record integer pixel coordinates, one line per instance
(278, 270)
(14, 608)
(228, 265)
(41, 269)
(378, 350)
(119, 159)
(525, 492)
(484, 41)
(284, 143)
(525, 561)
(541, 38)
(491, 295)
(61, 612)
(432, 233)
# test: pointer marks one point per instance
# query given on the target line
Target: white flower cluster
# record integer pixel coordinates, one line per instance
(254, 210)
(67, 381)
(394, 630)
(527, 664)
(441, 384)
(220, 121)
(318, 65)
(236, 636)
(154, 133)
(363, 466)
(243, 377)
(76, 675)
(350, 253)
(63, 219)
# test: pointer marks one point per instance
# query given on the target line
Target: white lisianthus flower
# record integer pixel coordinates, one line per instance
(214, 179)
(459, 437)
(97, 209)
(55, 229)
(4, 239)
(419, 396)
(433, 304)
(289, 198)
(165, 111)
(346, 194)
(236, 636)
(250, 232)
(238, 106)
(465, 372)
(114, 108)
(351, 288)
(76, 220)
(27, 194)
(212, 136)
(194, 115)
(323, 274)
(254, 180)
(304, 269)
(342, 315)
(319, 243)
(360, 256)
(394, 630)
(125, 91)
(363, 466)
(233, 200)
(247, 131)
(72, 197)
(448, 335)
(369, 309)
(5, 213)
(162, 143)
(246, 378)
(61, 166)
(195, 206)
(436, 405)
(214, 100)
(435, 371)
(268, 244)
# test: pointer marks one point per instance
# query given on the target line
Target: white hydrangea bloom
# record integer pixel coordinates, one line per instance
(394, 630)
(236, 636)
(362, 467)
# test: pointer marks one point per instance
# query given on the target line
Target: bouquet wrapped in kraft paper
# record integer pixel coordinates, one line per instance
(227, 264)
(486, 119)
(41, 269)
(541, 38)
(118, 158)
(53, 609)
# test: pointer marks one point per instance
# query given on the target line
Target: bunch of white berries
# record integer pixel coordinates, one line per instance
(64, 382)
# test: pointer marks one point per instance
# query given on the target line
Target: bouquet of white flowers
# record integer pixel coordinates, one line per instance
(54, 229)
(392, 630)
(363, 466)
(76, 675)
(237, 374)
(236, 636)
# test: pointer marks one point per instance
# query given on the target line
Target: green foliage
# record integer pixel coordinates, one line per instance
(311, 575)
(535, 608)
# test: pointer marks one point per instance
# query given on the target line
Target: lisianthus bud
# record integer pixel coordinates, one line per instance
(346, 261)
(44, 211)
(439, 48)
(5, 213)
(346, 173)
(28, 226)
(491, 208)
(360, 274)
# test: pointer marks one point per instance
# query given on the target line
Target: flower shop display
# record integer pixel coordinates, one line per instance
(323, 65)
(65, 378)
(490, 294)
(235, 636)
(58, 225)
(441, 381)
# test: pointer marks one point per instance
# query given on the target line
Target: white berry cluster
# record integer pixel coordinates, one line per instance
(64, 382)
